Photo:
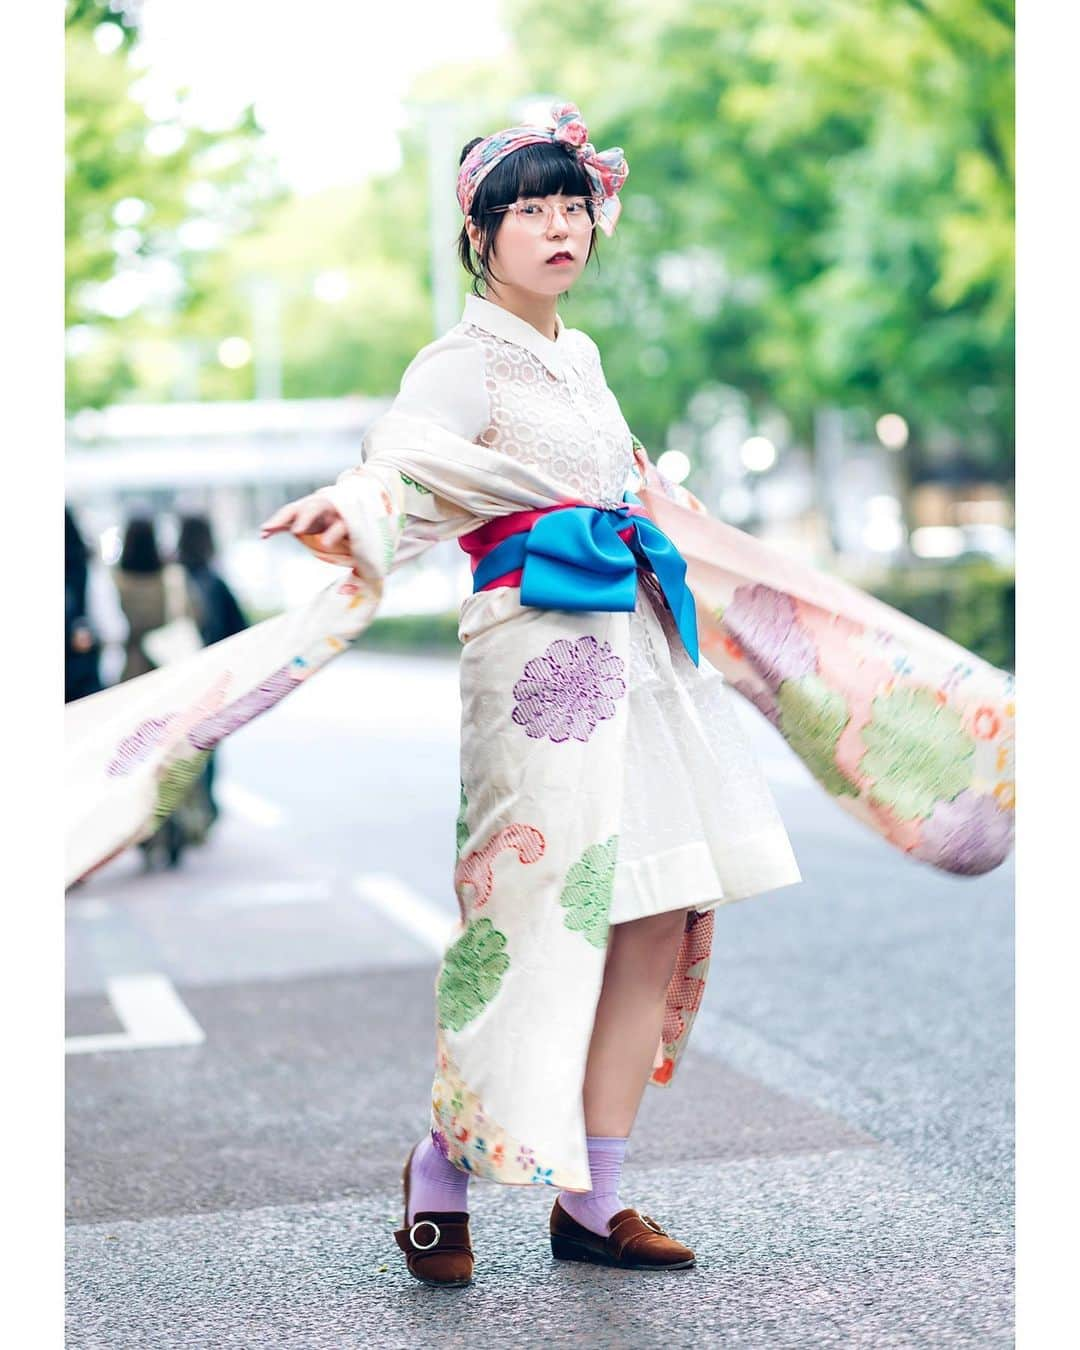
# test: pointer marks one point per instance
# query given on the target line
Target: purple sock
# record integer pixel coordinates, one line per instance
(594, 1208)
(435, 1183)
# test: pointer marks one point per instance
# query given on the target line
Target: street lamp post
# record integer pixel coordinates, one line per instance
(266, 335)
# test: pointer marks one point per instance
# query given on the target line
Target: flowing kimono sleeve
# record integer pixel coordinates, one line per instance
(134, 751)
(392, 516)
(902, 727)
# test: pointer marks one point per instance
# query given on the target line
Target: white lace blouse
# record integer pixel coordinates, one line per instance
(691, 783)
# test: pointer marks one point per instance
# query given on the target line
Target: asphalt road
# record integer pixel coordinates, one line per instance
(250, 1053)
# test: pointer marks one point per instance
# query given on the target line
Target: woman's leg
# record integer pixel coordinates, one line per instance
(626, 1031)
(629, 1018)
(435, 1184)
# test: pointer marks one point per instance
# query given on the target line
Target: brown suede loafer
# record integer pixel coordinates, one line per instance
(634, 1242)
(437, 1246)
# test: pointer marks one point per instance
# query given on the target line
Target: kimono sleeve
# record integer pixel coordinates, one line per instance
(391, 516)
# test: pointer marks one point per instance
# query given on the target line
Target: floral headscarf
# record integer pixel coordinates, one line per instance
(607, 170)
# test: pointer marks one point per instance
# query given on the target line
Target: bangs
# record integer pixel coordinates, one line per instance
(533, 171)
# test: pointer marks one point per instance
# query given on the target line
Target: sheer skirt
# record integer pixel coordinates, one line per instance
(699, 826)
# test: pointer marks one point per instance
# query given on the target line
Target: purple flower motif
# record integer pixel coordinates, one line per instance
(764, 624)
(568, 690)
(969, 835)
(135, 748)
(440, 1143)
(206, 734)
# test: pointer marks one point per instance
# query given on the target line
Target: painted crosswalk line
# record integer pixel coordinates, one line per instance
(151, 1013)
(407, 908)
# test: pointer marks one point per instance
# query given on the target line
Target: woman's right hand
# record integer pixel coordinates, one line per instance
(311, 515)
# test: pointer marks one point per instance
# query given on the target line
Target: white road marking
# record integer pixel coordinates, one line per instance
(89, 909)
(317, 890)
(250, 806)
(151, 1013)
(406, 908)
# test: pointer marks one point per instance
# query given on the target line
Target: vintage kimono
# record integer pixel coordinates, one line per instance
(603, 775)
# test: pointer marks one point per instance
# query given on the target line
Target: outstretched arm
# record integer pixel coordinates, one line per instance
(360, 519)
(355, 522)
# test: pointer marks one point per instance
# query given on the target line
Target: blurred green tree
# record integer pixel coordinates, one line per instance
(349, 267)
(819, 209)
(146, 198)
(346, 269)
(819, 212)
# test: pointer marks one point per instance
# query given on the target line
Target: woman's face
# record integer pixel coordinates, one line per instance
(525, 247)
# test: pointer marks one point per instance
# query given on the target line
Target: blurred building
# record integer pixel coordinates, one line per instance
(237, 462)
(857, 501)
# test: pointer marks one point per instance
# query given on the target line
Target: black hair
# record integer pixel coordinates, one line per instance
(140, 552)
(195, 545)
(539, 170)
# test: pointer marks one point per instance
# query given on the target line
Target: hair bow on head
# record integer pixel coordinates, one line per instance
(569, 126)
(606, 171)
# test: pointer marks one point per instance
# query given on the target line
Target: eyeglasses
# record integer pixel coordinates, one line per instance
(536, 214)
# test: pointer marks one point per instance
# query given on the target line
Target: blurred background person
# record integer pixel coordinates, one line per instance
(154, 594)
(82, 645)
(140, 583)
(215, 609)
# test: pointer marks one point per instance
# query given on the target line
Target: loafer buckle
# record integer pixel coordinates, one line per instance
(425, 1246)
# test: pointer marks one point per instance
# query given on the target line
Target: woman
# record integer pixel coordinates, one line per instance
(685, 821)
(216, 611)
(608, 802)
(140, 583)
(153, 593)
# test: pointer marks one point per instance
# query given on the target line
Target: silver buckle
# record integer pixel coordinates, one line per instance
(650, 1223)
(424, 1246)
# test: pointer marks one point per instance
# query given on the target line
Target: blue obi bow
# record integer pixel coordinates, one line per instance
(573, 559)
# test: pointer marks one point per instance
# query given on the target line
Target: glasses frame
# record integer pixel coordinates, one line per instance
(549, 212)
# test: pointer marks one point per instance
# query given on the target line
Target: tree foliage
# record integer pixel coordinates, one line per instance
(820, 202)
(147, 198)
(819, 212)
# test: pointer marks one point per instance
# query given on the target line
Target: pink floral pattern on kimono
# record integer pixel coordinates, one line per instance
(473, 876)
(907, 731)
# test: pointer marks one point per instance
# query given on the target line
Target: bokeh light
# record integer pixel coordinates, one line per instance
(758, 454)
(331, 287)
(883, 531)
(937, 541)
(129, 211)
(892, 431)
(234, 352)
(674, 465)
(108, 38)
(166, 139)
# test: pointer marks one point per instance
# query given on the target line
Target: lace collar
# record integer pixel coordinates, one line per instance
(494, 319)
